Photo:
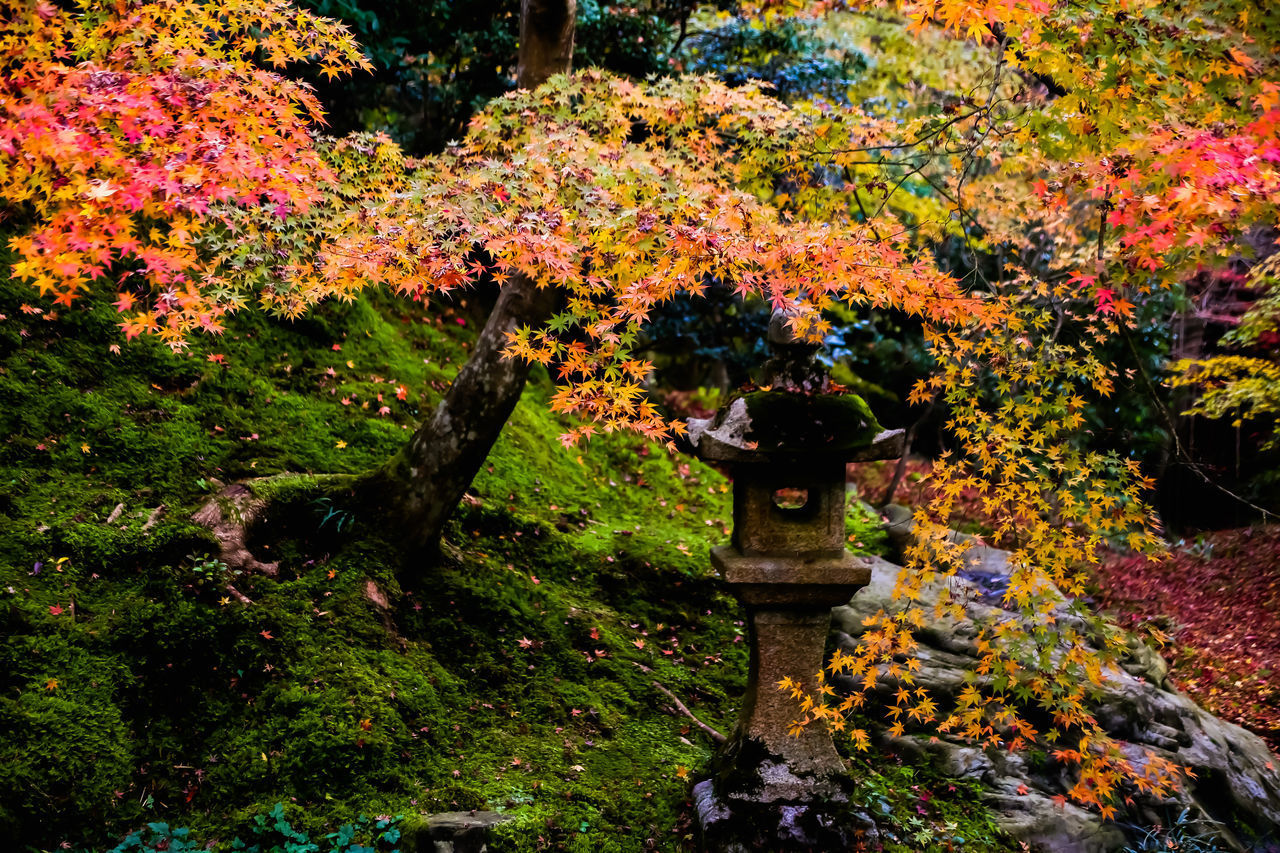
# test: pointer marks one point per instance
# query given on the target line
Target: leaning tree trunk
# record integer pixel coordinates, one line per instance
(423, 484)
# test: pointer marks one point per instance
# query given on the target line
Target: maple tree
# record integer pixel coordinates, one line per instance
(549, 190)
(143, 142)
(126, 128)
(1127, 144)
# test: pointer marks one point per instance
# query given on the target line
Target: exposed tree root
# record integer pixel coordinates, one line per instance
(229, 515)
(237, 594)
(282, 499)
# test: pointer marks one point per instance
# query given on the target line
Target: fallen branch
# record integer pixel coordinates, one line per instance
(680, 706)
(237, 594)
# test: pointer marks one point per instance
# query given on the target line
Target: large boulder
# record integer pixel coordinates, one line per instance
(1235, 785)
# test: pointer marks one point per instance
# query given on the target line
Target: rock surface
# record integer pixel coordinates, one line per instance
(742, 825)
(1235, 783)
(452, 832)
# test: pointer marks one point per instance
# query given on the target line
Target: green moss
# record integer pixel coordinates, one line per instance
(782, 420)
(66, 745)
(864, 529)
(519, 677)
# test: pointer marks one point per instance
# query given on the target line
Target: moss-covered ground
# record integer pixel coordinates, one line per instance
(517, 675)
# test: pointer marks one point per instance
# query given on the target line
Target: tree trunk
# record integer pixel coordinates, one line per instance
(421, 486)
(423, 483)
(546, 40)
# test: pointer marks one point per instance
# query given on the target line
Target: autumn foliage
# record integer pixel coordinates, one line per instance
(1213, 603)
(147, 143)
(128, 131)
(1137, 141)
(624, 195)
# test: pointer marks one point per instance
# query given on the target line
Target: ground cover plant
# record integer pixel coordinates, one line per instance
(1211, 603)
(136, 689)
(122, 642)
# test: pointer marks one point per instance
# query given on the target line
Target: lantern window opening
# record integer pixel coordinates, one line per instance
(791, 499)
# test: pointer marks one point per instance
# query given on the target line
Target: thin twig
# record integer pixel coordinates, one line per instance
(684, 33)
(901, 467)
(680, 706)
(1172, 427)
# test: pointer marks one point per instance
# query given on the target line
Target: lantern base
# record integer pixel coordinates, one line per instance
(737, 823)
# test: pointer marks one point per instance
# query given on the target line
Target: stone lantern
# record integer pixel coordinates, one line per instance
(786, 450)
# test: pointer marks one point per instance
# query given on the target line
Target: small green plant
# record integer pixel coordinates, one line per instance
(157, 837)
(272, 833)
(329, 513)
(517, 796)
(916, 808)
(210, 571)
(1185, 834)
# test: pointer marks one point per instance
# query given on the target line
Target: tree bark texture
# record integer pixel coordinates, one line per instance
(423, 484)
(546, 40)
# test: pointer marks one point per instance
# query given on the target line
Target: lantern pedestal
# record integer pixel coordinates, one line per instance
(787, 564)
(789, 616)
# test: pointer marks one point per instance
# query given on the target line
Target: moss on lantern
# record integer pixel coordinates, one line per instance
(788, 421)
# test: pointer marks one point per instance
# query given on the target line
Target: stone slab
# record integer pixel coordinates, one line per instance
(452, 832)
(790, 581)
